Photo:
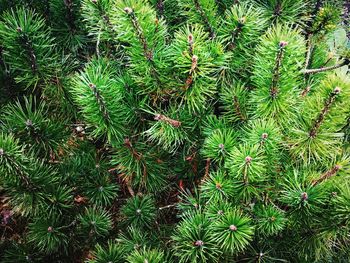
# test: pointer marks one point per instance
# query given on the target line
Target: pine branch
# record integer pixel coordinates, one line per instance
(323, 69)
(237, 108)
(332, 172)
(70, 14)
(207, 169)
(22, 174)
(174, 123)
(190, 44)
(276, 71)
(105, 17)
(309, 51)
(160, 7)
(128, 145)
(305, 91)
(330, 100)
(236, 32)
(28, 46)
(205, 18)
(100, 102)
(147, 52)
(189, 80)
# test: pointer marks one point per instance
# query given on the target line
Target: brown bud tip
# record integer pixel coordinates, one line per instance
(304, 196)
(337, 167)
(19, 29)
(2, 151)
(337, 90)
(91, 85)
(283, 44)
(50, 229)
(233, 228)
(157, 117)
(218, 186)
(128, 10)
(194, 59)
(248, 159)
(273, 218)
(264, 136)
(199, 243)
(190, 38)
(94, 1)
(221, 146)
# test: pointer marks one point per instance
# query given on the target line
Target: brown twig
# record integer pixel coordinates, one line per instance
(330, 100)
(318, 70)
(161, 117)
(332, 172)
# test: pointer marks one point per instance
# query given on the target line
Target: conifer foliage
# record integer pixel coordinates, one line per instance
(153, 131)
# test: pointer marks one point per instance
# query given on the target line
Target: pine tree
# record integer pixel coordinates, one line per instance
(174, 131)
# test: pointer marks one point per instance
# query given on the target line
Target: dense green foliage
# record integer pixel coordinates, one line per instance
(153, 131)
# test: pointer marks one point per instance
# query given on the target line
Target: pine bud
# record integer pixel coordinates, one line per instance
(218, 186)
(283, 44)
(220, 212)
(50, 229)
(304, 196)
(190, 39)
(19, 29)
(242, 20)
(138, 211)
(94, 1)
(233, 228)
(264, 136)
(194, 59)
(199, 243)
(79, 129)
(248, 159)
(29, 123)
(101, 188)
(128, 10)
(222, 146)
(337, 90)
(272, 218)
(92, 86)
(2, 152)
